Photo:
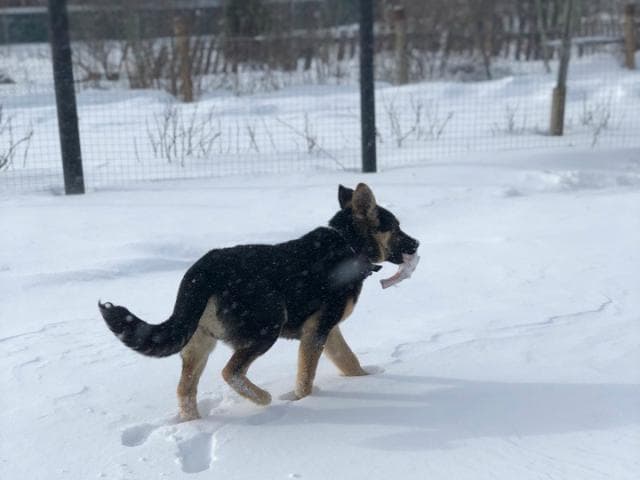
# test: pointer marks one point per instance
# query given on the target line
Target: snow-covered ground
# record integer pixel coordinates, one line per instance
(513, 351)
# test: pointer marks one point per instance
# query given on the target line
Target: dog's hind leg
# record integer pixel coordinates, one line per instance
(194, 359)
(341, 355)
(235, 372)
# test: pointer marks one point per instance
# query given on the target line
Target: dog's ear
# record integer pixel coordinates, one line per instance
(364, 204)
(344, 196)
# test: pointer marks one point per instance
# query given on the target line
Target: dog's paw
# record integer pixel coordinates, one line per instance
(188, 409)
(187, 416)
(261, 397)
(354, 372)
(293, 396)
(289, 397)
(372, 370)
(302, 391)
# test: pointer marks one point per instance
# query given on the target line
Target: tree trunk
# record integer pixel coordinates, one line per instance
(560, 92)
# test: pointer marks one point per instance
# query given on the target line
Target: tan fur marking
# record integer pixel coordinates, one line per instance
(348, 309)
(308, 356)
(341, 355)
(194, 360)
(209, 320)
(383, 239)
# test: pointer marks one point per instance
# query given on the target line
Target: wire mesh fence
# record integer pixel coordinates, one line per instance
(183, 89)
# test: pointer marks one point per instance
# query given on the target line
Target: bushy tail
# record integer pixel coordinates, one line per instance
(160, 340)
(166, 338)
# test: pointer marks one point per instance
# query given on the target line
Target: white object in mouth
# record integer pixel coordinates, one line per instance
(405, 269)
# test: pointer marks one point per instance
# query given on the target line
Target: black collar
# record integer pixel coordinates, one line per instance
(367, 266)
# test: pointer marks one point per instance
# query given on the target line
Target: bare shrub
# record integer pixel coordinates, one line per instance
(148, 64)
(251, 133)
(269, 134)
(513, 123)
(99, 60)
(399, 132)
(171, 63)
(596, 116)
(310, 137)
(307, 133)
(434, 122)
(175, 136)
(424, 122)
(12, 144)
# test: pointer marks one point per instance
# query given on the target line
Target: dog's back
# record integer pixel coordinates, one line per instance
(259, 290)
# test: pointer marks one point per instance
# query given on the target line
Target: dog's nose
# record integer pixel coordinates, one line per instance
(412, 246)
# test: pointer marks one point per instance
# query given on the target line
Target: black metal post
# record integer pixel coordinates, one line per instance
(367, 93)
(65, 97)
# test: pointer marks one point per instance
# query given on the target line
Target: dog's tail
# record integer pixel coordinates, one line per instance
(168, 337)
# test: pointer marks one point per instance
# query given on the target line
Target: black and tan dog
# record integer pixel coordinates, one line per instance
(249, 295)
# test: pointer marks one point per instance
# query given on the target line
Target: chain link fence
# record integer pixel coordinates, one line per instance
(182, 89)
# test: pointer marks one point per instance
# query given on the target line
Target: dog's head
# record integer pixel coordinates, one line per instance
(373, 229)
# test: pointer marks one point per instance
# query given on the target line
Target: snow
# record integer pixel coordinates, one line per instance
(513, 351)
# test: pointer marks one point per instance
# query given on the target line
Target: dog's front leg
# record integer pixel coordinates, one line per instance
(341, 355)
(312, 343)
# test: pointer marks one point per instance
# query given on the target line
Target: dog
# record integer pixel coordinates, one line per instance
(248, 296)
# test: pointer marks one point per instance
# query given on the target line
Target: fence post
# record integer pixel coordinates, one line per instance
(629, 36)
(181, 31)
(5, 29)
(65, 97)
(400, 37)
(367, 93)
(560, 91)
